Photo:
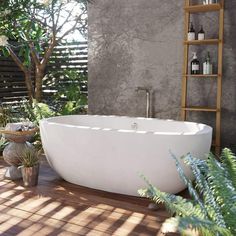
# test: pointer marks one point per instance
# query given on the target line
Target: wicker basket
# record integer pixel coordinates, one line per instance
(20, 133)
(19, 136)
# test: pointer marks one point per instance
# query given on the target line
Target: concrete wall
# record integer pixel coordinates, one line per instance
(139, 43)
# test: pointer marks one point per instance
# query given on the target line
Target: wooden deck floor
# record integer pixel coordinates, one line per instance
(56, 207)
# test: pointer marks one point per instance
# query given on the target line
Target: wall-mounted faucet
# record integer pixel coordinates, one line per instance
(148, 96)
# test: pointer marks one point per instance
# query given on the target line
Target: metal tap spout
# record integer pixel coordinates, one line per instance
(148, 99)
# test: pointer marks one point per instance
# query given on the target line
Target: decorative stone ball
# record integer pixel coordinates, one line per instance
(13, 151)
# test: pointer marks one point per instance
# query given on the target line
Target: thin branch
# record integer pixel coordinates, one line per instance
(34, 54)
(42, 23)
(48, 53)
(66, 20)
(58, 14)
(53, 19)
(72, 28)
(17, 60)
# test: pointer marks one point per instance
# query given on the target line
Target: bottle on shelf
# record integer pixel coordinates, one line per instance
(207, 65)
(206, 2)
(191, 33)
(195, 65)
(201, 34)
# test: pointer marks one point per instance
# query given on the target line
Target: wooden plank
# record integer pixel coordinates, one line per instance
(12, 84)
(73, 43)
(12, 99)
(65, 49)
(219, 80)
(203, 76)
(76, 53)
(9, 69)
(203, 8)
(201, 42)
(56, 207)
(185, 63)
(69, 64)
(12, 90)
(204, 109)
(11, 73)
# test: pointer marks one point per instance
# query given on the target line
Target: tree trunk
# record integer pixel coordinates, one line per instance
(38, 84)
(29, 85)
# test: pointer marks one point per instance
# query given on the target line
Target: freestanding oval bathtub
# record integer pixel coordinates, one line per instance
(109, 152)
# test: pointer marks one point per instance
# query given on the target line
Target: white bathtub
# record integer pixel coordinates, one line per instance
(109, 152)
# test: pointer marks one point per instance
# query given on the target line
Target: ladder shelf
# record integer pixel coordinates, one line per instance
(188, 10)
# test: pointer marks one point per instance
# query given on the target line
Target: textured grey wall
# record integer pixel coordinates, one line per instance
(139, 43)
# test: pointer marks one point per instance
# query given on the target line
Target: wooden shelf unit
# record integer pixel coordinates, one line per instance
(191, 9)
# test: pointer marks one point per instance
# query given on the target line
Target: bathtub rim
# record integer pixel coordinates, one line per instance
(205, 128)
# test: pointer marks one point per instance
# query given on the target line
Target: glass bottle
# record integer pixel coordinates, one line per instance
(207, 65)
(201, 34)
(195, 65)
(191, 33)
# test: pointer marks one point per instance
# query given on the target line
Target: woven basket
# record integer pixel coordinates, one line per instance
(20, 133)
(19, 136)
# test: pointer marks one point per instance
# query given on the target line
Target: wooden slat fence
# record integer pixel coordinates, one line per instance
(73, 56)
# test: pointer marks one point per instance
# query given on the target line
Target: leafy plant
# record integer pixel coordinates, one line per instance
(29, 158)
(3, 144)
(212, 209)
(7, 115)
(36, 111)
(70, 97)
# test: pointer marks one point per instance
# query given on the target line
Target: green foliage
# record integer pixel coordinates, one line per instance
(29, 158)
(36, 111)
(26, 112)
(70, 98)
(212, 209)
(3, 144)
(8, 114)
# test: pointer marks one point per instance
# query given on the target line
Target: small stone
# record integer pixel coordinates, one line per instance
(13, 173)
(152, 206)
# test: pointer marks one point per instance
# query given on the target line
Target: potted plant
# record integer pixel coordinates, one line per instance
(30, 161)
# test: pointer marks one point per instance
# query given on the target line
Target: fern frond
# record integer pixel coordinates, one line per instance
(211, 206)
(189, 225)
(229, 162)
(223, 190)
(175, 204)
(192, 191)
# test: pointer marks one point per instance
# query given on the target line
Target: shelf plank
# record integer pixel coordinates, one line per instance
(203, 76)
(200, 42)
(203, 8)
(205, 109)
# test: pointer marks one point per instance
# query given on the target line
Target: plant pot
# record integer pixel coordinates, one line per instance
(30, 175)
